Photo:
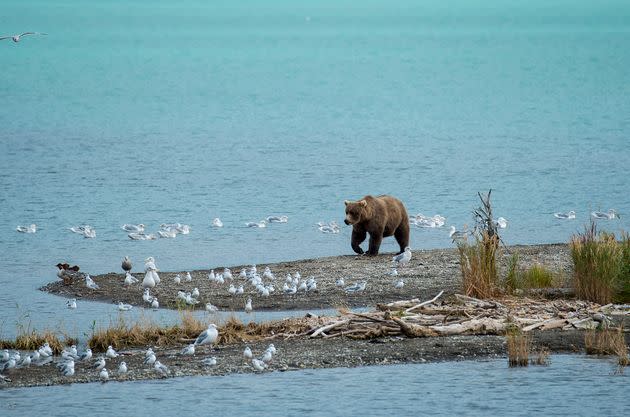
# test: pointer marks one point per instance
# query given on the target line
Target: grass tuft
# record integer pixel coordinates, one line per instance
(538, 276)
(518, 345)
(478, 263)
(601, 266)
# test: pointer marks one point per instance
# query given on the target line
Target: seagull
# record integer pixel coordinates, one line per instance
(124, 307)
(217, 222)
(71, 304)
(104, 375)
(87, 231)
(160, 368)
(277, 219)
(248, 306)
(403, 258)
(211, 361)
(27, 229)
(267, 357)
(188, 350)
(208, 336)
(146, 296)
(271, 348)
(142, 236)
(167, 234)
(258, 364)
(129, 279)
(399, 284)
(89, 282)
(393, 272)
(247, 353)
(227, 273)
(87, 355)
(133, 228)
(260, 224)
(456, 234)
(99, 364)
(188, 277)
(16, 38)
(122, 368)
(565, 216)
(358, 287)
(155, 304)
(600, 215)
(340, 282)
(150, 358)
(111, 353)
(240, 290)
(212, 276)
(212, 308)
(501, 223)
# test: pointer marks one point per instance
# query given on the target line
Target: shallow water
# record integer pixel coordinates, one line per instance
(572, 385)
(161, 111)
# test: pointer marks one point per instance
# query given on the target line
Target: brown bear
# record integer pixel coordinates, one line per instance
(380, 216)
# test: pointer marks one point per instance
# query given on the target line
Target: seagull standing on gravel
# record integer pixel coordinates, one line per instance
(399, 284)
(188, 350)
(89, 282)
(126, 265)
(16, 38)
(188, 277)
(111, 353)
(150, 358)
(248, 306)
(258, 364)
(208, 336)
(160, 368)
(211, 361)
(340, 282)
(155, 304)
(129, 280)
(247, 353)
(87, 355)
(403, 258)
(358, 287)
(99, 364)
(104, 375)
(122, 368)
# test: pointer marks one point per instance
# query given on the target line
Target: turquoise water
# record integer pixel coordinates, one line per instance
(571, 385)
(156, 111)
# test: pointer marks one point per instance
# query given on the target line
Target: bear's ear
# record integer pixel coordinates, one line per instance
(363, 203)
(347, 202)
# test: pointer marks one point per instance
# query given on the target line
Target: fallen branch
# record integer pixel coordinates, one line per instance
(329, 327)
(424, 303)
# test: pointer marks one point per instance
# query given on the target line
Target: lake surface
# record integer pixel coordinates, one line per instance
(159, 111)
(572, 385)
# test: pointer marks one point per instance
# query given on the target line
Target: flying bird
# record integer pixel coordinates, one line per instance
(16, 38)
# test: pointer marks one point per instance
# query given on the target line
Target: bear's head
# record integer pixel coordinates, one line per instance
(355, 211)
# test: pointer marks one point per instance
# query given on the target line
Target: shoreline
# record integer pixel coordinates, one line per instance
(299, 354)
(429, 272)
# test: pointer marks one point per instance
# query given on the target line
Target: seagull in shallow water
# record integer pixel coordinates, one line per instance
(277, 219)
(211, 308)
(71, 304)
(403, 258)
(217, 222)
(27, 229)
(133, 228)
(124, 307)
(16, 38)
(600, 215)
(260, 224)
(501, 223)
(208, 336)
(248, 306)
(155, 304)
(457, 235)
(565, 216)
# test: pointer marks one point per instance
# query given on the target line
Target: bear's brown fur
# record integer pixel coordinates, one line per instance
(380, 216)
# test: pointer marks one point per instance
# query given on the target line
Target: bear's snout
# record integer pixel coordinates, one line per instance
(346, 221)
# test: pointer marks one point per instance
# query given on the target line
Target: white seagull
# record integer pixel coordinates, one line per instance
(133, 228)
(188, 350)
(501, 223)
(211, 361)
(247, 353)
(277, 219)
(124, 307)
(600, 215)
(27, 229)
(122, 368)
(104, 375)
(16, 38)
(71, 304)
(111, 353)
(260, 224)
(258, 364)
(208, 336)
(565, 216)
(403, 258)
(248, 306)
(457, 235)
(217, 222)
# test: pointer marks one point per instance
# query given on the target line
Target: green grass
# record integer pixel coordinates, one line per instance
(601, 266)
(538, 276)
(478, 263)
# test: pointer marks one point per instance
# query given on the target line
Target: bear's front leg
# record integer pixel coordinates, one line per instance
(358, 236)
(375, 243)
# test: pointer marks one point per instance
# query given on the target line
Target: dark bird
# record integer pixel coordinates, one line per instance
(126, 264)
(16, 38)
(67, 267)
